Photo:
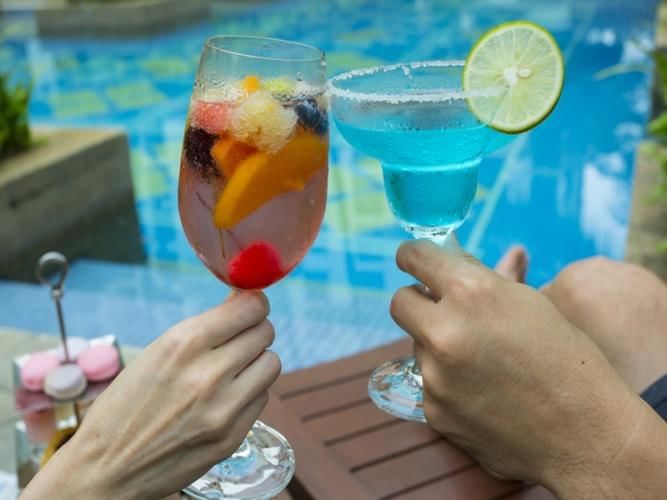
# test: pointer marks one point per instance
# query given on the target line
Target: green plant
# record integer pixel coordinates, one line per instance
(78, 2)
(658, 129)
(14, 127)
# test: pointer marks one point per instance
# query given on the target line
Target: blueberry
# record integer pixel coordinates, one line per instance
(312, 117)
(197, 146)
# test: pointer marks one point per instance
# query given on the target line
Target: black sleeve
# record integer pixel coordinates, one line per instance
(656, 396)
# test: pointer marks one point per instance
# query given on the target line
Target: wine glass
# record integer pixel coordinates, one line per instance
(415, 119)
(252, 192)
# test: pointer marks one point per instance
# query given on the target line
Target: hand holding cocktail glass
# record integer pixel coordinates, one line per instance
(430, 124)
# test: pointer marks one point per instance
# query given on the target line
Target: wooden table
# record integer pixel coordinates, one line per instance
(348, 449)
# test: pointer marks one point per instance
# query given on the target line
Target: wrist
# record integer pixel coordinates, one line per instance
(72, 472)
(629, 463)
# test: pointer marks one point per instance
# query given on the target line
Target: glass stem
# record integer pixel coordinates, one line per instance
(451, 243)
(446, 239)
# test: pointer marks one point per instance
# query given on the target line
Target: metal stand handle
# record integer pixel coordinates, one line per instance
(51, 271)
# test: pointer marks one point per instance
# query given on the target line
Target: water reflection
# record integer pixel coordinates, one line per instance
(605, 204)
(571, 203)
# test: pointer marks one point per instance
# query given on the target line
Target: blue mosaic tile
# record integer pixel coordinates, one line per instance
(561, 190)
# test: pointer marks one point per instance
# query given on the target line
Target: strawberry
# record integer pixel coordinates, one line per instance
(255, 267)
(213, 117)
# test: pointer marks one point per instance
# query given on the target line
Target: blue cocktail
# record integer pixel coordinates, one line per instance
(415, 119)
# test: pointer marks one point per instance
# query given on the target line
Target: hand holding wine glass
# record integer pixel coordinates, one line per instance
(252, 191)
(185, 403)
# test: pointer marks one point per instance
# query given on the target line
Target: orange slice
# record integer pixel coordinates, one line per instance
(228, 153)
(251, 84)
(261, 177)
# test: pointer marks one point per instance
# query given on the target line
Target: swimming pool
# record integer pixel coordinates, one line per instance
(563, 189)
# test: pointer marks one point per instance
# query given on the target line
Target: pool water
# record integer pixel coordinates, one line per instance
(563, 189)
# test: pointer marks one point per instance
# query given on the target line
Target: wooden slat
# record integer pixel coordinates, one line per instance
(412, 469)
(382, 443)
(470, 484)
(530, 493)
(331, 372)
(348, 422)
(283, 495)
(329, 398)
(347, 448)
(319, 474)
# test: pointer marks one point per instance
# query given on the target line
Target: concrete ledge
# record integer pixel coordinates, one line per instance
(648, 218)
(122, 17)
(71, 193)
(661, 26)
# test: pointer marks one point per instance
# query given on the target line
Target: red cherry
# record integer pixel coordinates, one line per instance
(255, 267)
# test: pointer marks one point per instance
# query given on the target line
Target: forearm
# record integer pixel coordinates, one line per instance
(637, 470)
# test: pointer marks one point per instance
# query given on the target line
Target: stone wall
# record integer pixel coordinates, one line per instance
(648, 217)
(648, 220)
(71, 193)
(125, 17)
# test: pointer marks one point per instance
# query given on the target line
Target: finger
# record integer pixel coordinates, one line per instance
(427, 292)
(222, 323)
(438, 418)
(249, 414)
(235, 355)
(547, 289)
(257, 377)
(233, 435)
(431, 264)
(418, 350)
(414, 312)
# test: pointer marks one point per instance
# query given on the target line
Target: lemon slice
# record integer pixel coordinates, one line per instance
(517, 69)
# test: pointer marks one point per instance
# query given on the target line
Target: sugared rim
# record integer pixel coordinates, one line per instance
(318, 54)
(428, 95)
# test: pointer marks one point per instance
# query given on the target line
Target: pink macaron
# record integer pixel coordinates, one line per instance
(34, 371)
(100, 362)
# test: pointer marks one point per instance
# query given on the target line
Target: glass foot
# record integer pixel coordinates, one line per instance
(396, 387)
(260, 469)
